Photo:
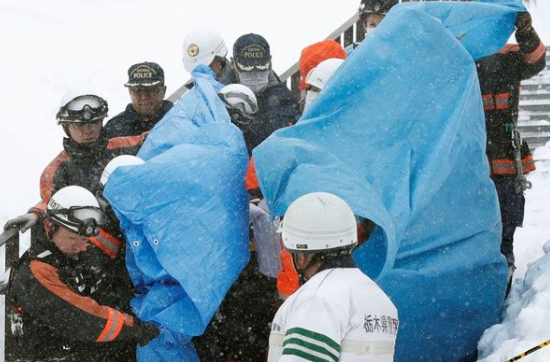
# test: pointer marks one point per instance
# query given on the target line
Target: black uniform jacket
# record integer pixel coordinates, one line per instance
(130, 123)
(69, 310)
(500, 76)
(277, 108)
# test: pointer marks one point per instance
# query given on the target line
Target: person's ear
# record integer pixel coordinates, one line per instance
(164, 91)
(302, 260)
(47, 225)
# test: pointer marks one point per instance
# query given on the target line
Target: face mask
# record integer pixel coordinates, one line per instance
(256, 81)
(368, 32)
(311, 96)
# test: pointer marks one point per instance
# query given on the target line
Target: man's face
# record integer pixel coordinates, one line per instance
(372, 21)
(147, 101)
(69, 242)
(84, 132)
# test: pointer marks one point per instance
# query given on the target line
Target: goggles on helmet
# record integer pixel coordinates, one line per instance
(83, 109)
(76, 218)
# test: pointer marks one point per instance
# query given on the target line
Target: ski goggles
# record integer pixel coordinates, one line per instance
(84, 220)
(83, 109)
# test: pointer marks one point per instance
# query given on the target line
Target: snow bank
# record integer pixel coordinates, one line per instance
(524, 323)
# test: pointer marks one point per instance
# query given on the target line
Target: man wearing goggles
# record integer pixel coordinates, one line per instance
(67, 303)
(86, 152)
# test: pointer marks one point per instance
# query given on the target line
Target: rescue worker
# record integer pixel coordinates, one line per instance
(315, 81)
(318, 77)
(146, 86)
(207, 47)
(87, 150)
(216, 344)
(240, 330)
(500, 76)
(313, 55)
(338, 314)
(65, 302)
(370, 13)
(278, 107)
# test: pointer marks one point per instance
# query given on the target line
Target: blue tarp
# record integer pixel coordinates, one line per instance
(185, 214)
(399, 133)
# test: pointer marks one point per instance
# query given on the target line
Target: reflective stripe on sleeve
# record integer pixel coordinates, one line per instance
(107, 243)
(113, 326)
(535, 55)
(367, 347)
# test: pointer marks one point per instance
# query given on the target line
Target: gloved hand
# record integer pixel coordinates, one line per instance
(523, 21)
(147, 332)
(23, 222)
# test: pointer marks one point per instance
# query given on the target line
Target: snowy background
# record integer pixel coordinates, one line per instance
(48, 47)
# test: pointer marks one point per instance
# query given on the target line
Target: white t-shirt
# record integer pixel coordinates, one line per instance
(338, 315)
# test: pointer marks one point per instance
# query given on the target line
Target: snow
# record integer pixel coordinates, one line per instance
(49, 47)
(525, 321)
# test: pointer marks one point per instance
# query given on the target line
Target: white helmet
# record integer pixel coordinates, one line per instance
(124, 160)
(81, 107)
(319, 221)
(76, 209)
(318, 77)
(240, 102)
(201, 46)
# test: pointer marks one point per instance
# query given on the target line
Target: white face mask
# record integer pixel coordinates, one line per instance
(256, 81)
(310, 97)
(368, 32)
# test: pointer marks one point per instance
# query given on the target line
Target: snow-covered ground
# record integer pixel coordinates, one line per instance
(51, 46)
(526, 318)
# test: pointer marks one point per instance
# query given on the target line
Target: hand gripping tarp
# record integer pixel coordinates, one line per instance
(399, 133)
(185, 215)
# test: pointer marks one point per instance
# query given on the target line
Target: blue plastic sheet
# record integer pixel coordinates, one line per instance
(399, 133)
(185, 214)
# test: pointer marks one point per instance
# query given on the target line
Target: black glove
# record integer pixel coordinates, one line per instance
(146, 332)
(23, 222)
(523, 21)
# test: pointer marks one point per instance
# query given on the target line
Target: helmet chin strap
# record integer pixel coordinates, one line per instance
(301, 272)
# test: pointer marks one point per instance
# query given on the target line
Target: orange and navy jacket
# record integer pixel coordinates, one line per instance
(500, 76)
(82, 165)
(62, 311)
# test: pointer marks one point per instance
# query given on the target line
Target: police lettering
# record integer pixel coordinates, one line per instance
(254, 55)
(142, 74)
(254, 52)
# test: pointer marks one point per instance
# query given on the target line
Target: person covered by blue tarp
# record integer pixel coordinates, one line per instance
(184, 212)
(399, 134)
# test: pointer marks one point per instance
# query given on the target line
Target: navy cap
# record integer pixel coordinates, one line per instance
(252, 53)
(146, 74)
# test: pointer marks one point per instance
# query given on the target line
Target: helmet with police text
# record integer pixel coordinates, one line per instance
(376, 7)
(124, 160)
(76, 209)
(240, 102)
(201, 46)
(318, 77)
(319, 222)
(81, 107)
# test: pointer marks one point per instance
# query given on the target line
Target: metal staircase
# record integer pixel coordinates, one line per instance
(534, 107)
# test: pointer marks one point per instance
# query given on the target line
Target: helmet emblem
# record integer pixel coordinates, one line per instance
(193, 50)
